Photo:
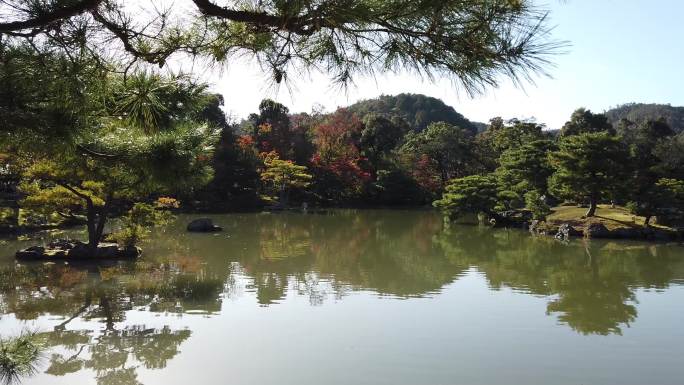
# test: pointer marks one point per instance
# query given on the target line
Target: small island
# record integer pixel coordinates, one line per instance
(610, 222)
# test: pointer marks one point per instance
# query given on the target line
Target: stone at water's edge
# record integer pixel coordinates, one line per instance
(65, 249)
(596, 230)
(203, 225)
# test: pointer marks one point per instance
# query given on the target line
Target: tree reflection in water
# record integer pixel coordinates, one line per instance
(115, 354)
(105, 295)
(590, 284)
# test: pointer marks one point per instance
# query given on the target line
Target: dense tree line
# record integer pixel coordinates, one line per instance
(590, 162)
(378, 158)
(371, 158)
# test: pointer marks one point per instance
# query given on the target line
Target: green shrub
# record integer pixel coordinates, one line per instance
(137, 221)
(536, 204)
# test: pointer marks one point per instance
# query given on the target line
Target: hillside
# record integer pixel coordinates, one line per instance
(639, 112)
(418, 110)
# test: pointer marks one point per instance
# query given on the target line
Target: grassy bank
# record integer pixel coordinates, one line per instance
(611, 217)
(609, 222)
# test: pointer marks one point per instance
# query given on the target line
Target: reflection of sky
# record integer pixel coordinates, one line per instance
(467, 334)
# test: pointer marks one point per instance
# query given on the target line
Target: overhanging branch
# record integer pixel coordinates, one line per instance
(299, 25)
(50, 17)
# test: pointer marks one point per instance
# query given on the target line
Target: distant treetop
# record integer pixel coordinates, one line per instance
(417, 110)
(640, 113)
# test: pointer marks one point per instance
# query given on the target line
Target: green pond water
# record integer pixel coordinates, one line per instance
(353, 297)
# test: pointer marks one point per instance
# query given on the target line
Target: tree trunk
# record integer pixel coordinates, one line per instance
(592, 208)
(101, 220)
(283, 195)
(14, 219)
(91, 218)
(105, 304)
(647, 220)
(96, 219)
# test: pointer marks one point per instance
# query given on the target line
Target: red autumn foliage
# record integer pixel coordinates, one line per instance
(245, 142)
(337, 153)
(337, 136)
(426, 174)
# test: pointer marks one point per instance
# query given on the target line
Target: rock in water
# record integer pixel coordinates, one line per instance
(33, 252)
(67, 249)
(203, 225)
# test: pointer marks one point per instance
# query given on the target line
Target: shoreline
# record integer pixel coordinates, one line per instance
(578, 228)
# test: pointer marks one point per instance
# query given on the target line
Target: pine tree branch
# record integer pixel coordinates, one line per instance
(50, 17)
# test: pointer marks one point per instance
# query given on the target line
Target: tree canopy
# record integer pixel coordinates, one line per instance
(473, 194)
(419, 111)
(584, 121)
(473, 42)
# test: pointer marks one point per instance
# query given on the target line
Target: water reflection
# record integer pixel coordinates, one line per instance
(105, 295)
(590, 284)
(590, 287)
(114, 355)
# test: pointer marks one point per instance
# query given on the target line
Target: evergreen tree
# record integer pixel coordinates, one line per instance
(526, 168)
(473, 194)
(589, 167)
(379, 137)
(643, 141)
(583, 121)
(158, 147)
(271, 128)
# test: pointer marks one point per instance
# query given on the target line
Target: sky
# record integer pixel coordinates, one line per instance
(621, 51)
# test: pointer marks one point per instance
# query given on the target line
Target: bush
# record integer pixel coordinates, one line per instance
(140, 217)
(537, 205)
(632, 207)
(130, 235)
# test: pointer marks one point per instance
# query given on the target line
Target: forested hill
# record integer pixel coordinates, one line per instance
(639, 112)
(418, 110)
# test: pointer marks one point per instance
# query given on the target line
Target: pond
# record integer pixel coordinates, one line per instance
(354, 297)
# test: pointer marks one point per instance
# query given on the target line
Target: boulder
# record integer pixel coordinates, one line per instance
(62, 244)
(33, 252)
(203, 225)
(630, 233)
(80, 251)
(130, 252)
(107, 250)
(596, 230)
(534, 226)
(662, 236)
(513, 218)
